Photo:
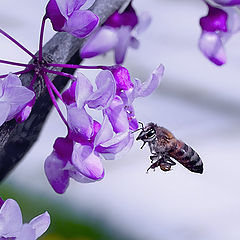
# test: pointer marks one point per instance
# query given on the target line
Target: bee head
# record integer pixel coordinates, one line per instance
(148, 133)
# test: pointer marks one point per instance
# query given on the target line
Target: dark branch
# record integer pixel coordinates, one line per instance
(17, 139)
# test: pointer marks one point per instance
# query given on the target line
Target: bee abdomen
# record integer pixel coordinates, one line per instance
(189, 158)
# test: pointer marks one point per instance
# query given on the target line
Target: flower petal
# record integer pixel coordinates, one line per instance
(81, 23)
(85, 161)
(67, 7)
(84, 88)
(146, 88)
(122, 77)
(228, 2)
(40, 224)
(25, 112)
(124, 37)
(102, 41)
(216, 20)
(4, 111)
(26, 233)
(77, 176)
(118, 150)
(211, 46)
(144, 20)
(115, 145)
(57, 177)
(11, 80)
(54, 14)
(106, 88)
(105, 133)
(69, 94)
(80, 123)
(11, 218)
(17, 97)
(117, 115)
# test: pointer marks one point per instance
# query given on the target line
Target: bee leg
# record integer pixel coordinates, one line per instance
(153, 166)
(154, 158)
(170, 161)
(143, 145)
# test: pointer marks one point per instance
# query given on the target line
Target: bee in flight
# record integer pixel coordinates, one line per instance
(164, 147)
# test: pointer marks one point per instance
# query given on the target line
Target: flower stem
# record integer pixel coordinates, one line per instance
(47, 82)
(41, 37)
(19, 72)
(55, 90)
(76, 66)
(60, 73)
(14, 63)
(17, 43)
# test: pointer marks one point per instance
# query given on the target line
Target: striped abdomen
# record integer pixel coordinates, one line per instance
(185, 155)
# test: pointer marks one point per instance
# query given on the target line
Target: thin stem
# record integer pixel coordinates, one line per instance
(60, 73)
(19, 72)
(76, 66)
(17, 43)
(55, 90)
(47, 82)
(41, 37)
(14, 63)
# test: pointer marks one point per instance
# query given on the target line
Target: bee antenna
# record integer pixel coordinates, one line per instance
(142, 125)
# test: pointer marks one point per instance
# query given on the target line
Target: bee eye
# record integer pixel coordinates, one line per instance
(151, 133)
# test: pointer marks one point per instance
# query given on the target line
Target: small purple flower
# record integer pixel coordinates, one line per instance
(121, 112)
(82, 161)
(70, 16)
(117, 33)
(217, 27)
(11, 226)
(13, 97)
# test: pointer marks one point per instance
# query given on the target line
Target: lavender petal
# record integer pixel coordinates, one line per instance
(40, 224)
(211, 46)
(81, 23)
(105, 92)
(85, 161)
(102, 41)
(10, 218)
(56, 175)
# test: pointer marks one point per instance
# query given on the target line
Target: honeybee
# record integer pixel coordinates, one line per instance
(164, 146)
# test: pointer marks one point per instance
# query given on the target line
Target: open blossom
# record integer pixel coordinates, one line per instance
(217, 27)
(118, 33)
(13, 97)
(71, 16)
(12, 227)
(80, 154)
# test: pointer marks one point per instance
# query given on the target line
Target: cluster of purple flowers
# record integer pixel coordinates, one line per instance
(221, 22)
(79, 154)
(89, 140)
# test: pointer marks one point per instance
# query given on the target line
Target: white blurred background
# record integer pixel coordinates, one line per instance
(197, 100)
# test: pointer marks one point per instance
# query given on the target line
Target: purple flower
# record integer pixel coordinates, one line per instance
(117, 33)
(121, 111)
(13, 97)
(70, 16)
(227, 2)
(82, 161)
(11, 226)
(217, 27)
